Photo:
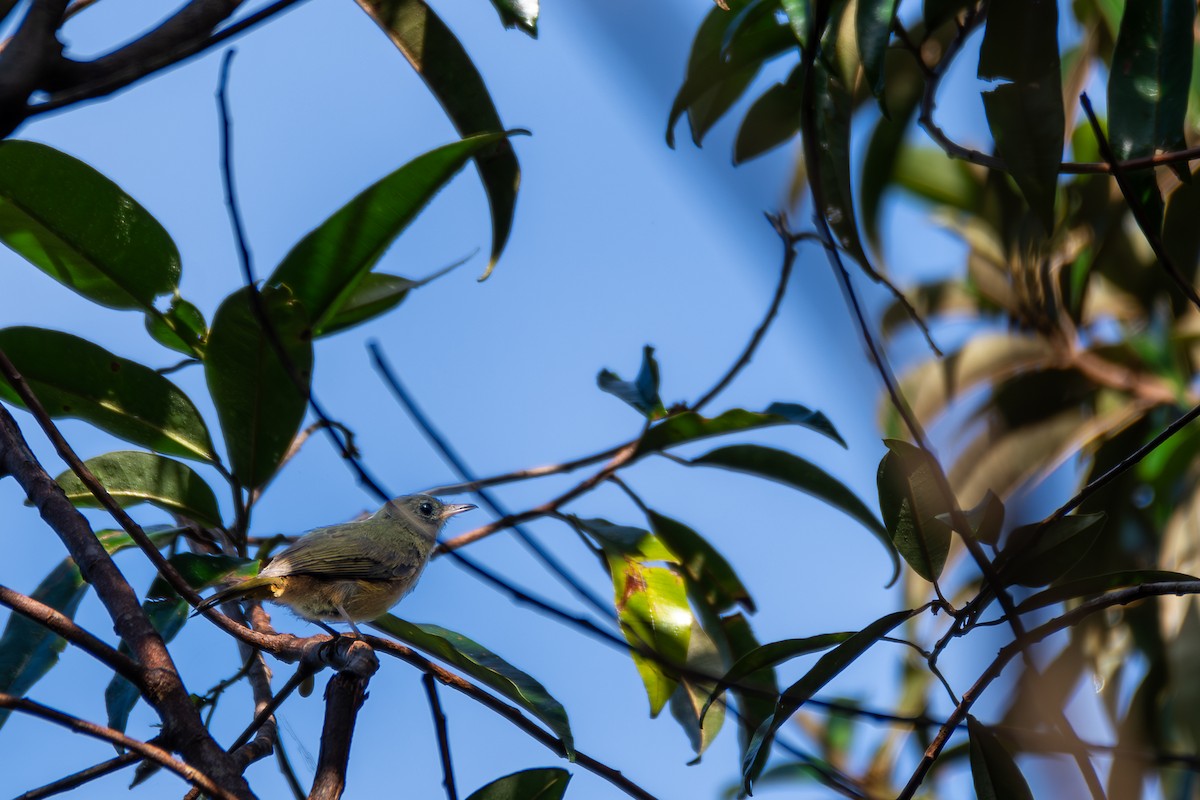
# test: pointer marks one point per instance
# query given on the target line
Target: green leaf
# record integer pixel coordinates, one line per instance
(772, 654)
(653, 611)
(993, 770)
(986, 519)
(624, 540)
(374, 295)
(873, 25)
(1098, 584)
(718, 76)
(134, 477)
(689, 697)
(202, 570)
(929, 173)
(1148, 84)
(641, 393)
(522, 14)
(74, 378)
(772, 120)
(826, 669)
(796, 12)
(257, 399)
(181, 328)
(326, 267)
(690, 426)
(1148, 90)
(755, 692)
(116, 540)
(794, 471)
(707, 569)
(486, 667)
(1042, 554)
(168, 617)
(547, 783)
(1025, 114)
(833, 111)
(439, 58)
(77, 226)
(911, 500)
(29, 650)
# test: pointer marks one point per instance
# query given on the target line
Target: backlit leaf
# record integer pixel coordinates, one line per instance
(74, 378)
(133, 477)
(912, 500)
(81, 229)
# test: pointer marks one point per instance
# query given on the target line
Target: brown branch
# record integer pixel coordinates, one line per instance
(344, 696)
(443, 736)
(143, 749)
(64, 626)
(623, 457)
(525, 474)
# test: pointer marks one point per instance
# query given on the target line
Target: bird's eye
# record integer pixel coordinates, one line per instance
(426, 509)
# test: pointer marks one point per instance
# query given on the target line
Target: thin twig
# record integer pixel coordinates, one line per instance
(144, 749)
(525, 474)
(75, 780)
(785, 274)
(1021, 645)
(289, 774)
(64, 626)
(624, 456)
(443, 737)
(511, 713)
(489, 500)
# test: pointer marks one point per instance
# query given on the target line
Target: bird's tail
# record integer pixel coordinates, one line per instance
(249, 589)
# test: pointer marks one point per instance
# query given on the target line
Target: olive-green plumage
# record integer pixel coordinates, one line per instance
(353, 571)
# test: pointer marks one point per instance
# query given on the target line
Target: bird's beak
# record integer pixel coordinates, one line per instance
(450, 511)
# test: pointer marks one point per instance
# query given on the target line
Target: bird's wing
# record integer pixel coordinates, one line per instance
(354, 558)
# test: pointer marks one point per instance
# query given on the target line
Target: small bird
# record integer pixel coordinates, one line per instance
(353, 571)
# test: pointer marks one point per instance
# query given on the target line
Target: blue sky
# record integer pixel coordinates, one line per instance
(618, 242)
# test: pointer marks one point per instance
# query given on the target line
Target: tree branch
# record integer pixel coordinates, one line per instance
(344, 695)
(160, 683)
(64, 626)
(443, 737)
(143, 749)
